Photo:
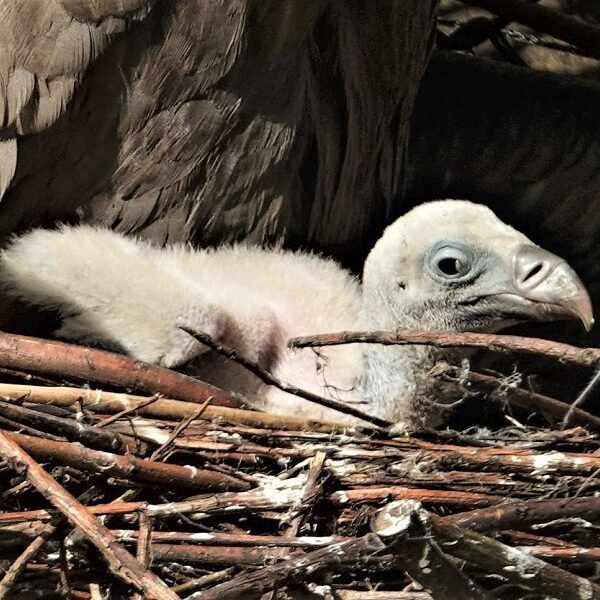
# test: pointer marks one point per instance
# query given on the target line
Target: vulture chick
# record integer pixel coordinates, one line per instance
(445, 265)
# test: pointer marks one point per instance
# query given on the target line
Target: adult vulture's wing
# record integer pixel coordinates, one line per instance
(216, 120)
(45, 47)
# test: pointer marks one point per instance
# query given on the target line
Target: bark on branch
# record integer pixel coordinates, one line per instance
(565, 353)
(67, 360)
(121, 562)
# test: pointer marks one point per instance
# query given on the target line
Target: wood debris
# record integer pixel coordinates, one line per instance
(187, 494)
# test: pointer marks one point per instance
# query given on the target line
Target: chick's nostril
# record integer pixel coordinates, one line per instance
(532, 272)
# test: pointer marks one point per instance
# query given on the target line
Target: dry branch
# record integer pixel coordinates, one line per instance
(416, 551)
(524, 398)
(587, 357)
(273, 494)
(255, 584)
(20, 563)
(113, 402)
(516, 566)
(67, 360)
(74, 430)
(387, 540)
(269, 379)
(230, 539)
(385, 494)
(329, 481)
(128, 467)
(121, 562)
(524, 513)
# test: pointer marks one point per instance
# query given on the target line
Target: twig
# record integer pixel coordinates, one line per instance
(121, 562)
(561, 26)
(272, 495)
(20, 563)
(178, 430)
(143, 551)
(95, 593)
(64, 570)
(222, 556)
(385, 494)
(524, 398)
(68, 360)
(269, 379)
(587, 357)
(580, 399)
(218, 538)
(196, 584)
(128, 411)
(138, 469)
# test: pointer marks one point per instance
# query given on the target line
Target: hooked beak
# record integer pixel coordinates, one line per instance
(546, 288)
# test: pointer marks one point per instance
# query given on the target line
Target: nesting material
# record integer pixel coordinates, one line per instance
(109, 491)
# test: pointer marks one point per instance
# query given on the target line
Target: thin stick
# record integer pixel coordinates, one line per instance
(259, 499)
(162, 408)
(128, 411)
(581, 399)
(310, 490)
(95, 593)
(587, 357)
(143, 551)
(178, 430)
(196, 584)
(268, 378)
(121, 562)
(524, 398)
(20, 563)
(74, 430)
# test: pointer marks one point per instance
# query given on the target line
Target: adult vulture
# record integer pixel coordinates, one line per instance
(220, 120)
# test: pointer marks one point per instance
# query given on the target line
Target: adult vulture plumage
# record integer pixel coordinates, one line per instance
(446, 265)
(225, 120)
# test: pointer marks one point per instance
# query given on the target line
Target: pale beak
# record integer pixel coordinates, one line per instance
(551, 285)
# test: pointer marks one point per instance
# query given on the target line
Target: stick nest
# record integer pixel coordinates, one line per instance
(145, 483)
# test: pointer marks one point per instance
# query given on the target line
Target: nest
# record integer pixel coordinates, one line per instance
(180, 493)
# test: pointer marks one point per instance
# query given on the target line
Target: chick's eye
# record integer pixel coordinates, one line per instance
(452, 267)
(451, 263)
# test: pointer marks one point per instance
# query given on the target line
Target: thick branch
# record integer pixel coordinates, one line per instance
(129, 467)
(522, 513)
(516, 566)
(67, 360)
